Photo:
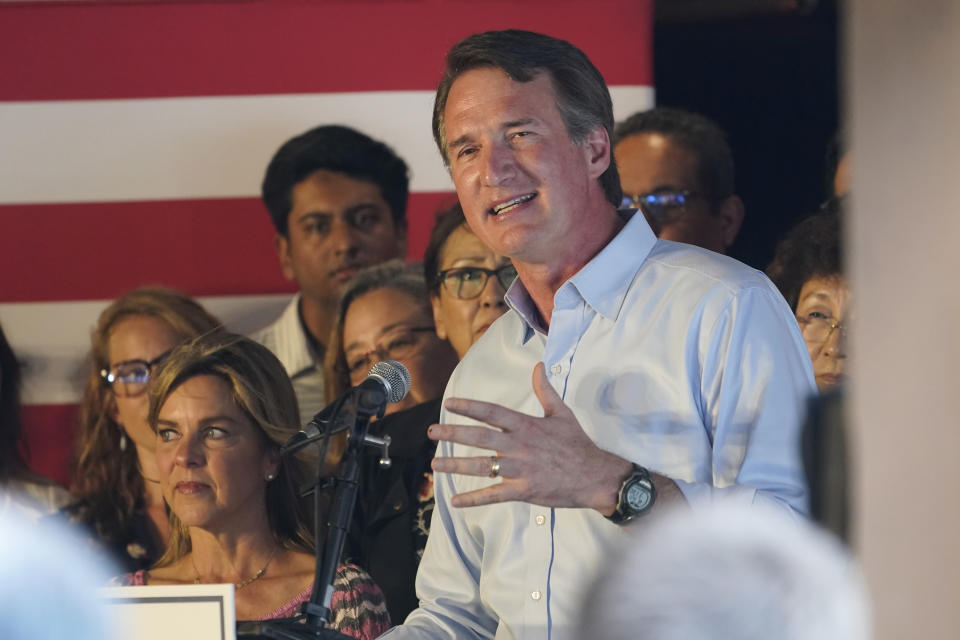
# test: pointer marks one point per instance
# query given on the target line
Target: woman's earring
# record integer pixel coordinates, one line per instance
(123, 441)
(270, 477)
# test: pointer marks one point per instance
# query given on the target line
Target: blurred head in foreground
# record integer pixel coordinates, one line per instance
(48, 583)
(727, 571)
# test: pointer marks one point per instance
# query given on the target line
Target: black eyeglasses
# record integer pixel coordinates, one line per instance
(131, 377)
(467, 283)
(661, 205)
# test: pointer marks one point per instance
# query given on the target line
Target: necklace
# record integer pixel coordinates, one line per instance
(239, 585)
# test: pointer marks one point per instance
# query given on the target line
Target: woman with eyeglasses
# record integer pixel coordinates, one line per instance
(385, 314)
(808, 270)
(467, 281)
(115, 478)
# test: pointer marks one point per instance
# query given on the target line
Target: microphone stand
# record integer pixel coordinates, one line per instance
(315, 613)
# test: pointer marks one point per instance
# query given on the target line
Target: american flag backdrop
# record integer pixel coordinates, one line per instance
(134, 136)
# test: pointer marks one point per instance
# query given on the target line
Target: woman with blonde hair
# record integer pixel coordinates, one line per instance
(115, 474)
(222, 406)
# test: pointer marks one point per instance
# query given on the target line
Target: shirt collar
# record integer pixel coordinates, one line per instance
(602, 283)
(294, 349)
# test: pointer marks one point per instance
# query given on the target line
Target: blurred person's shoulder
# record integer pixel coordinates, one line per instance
(33, 498)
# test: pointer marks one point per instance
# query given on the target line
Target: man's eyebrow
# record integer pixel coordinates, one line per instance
(518, 123)
(510, 124)
(361, 206)
(459, 142)
(314, 214)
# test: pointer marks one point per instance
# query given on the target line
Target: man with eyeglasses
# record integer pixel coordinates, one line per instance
(677, 168)
(338, 201)
(628, 374)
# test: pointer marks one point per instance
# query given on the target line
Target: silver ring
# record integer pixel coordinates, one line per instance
(494, 467)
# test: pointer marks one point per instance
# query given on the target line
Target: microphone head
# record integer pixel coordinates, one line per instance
(395, 376)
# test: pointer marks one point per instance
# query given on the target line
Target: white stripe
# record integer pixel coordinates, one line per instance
(208, 147)
(52, 339)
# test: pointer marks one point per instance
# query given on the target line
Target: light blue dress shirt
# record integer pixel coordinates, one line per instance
(679, 359)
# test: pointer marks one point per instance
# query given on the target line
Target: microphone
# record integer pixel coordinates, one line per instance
(388, 381)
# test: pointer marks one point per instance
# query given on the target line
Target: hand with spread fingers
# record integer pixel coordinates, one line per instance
(548, 461)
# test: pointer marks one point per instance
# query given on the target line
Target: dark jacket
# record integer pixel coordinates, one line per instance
(391, 519)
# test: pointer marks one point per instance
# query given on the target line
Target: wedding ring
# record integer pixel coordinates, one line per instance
(494, 467)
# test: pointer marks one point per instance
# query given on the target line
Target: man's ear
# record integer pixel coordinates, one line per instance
(731, 213)
(597, 148)
(281, 245)
(440, 328)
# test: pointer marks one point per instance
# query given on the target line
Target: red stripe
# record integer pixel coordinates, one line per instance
(104, 50)
(49, 431)
(96, 251)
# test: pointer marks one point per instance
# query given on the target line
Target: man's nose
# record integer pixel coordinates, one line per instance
(499, 164)
(343, 237)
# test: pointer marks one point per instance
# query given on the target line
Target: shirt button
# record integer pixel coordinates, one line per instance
(541, 520)
(535, 595)
(556, 369)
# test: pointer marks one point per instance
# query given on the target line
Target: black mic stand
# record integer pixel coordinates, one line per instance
(315, 613)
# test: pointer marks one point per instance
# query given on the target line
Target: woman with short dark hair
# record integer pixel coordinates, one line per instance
(808, 270)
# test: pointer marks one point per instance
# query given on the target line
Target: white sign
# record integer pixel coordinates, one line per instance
(187, 612)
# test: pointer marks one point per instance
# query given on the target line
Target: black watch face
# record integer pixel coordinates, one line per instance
(638, 496)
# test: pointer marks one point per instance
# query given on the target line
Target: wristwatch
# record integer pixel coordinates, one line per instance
(637, 495)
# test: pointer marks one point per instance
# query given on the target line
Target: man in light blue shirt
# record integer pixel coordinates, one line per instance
(661, 372)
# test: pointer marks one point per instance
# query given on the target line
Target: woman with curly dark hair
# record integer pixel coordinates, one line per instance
(115, 476)
(808, 270)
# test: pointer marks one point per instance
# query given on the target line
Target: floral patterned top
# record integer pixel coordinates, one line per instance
(357, 607)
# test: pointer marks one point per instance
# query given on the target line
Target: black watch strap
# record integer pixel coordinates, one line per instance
(636, 497)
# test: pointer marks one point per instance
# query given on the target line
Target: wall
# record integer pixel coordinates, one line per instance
(134, 135)
(902, 69)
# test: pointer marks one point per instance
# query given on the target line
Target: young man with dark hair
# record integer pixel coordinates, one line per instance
(677, 167)
(338, 201)
(660, 372)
